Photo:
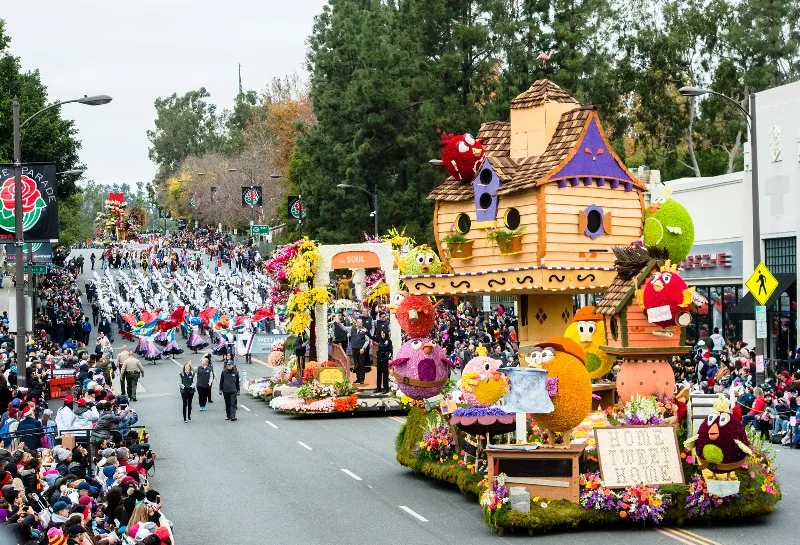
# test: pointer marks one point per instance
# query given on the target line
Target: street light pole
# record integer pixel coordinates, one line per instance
(754, 193)
(19, 235)
(374, 200)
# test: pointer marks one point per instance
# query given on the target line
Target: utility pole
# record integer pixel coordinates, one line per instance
(19, 238)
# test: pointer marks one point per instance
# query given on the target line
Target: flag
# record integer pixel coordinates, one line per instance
(206, 315)
(251, 196)
(179, 314)
(263, 313)
(296, 208)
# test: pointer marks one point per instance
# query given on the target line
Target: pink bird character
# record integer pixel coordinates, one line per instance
(544, 57)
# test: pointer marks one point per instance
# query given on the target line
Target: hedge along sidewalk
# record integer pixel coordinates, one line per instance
(563, 515)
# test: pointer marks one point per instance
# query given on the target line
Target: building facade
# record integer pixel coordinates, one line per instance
(722, 208)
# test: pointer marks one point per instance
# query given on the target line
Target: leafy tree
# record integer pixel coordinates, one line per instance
(185, 125)
(72, 224)
(49, 137)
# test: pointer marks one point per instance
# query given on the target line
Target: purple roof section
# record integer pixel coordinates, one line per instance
(485, 186)
(593, 160)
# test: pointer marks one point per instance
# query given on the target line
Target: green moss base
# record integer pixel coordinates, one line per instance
(564, 515)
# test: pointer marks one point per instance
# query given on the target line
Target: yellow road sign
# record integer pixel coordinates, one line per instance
(761, 284)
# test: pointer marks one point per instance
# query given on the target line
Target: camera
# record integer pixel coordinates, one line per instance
(142, 449)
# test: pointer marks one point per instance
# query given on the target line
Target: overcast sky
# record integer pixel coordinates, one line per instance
(141, 50)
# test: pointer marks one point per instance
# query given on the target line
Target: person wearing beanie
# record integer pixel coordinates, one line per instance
(55, 536)
(65, 417)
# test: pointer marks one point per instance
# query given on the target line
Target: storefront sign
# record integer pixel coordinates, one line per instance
(638, 454)
(715, 260)
(706, 261)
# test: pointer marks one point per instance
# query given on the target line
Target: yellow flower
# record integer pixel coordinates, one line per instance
(455, 456)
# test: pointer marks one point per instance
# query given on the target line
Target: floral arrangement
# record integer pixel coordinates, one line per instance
(584, 433)
(495, 500)
(408, 402)
(699, 502)
(373, 239)
(760, 465)
(480, 411)
(343, 304)
(275, 358)
(437, 442)
(643, 410)
(643, 502)
(345, 404)
(639, 502)
(595, 495)
(398, 239)
(499, 236)
(453, 236)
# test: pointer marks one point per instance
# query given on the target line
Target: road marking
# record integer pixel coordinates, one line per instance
(397, 419)
(175, 362)
(271, 424)
(353, 475)
(245, 408)
(413, 513)
(674, 536)
(691, 536)
(304, 445)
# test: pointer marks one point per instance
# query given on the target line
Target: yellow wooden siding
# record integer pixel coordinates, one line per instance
(565, 243)
(485, 254)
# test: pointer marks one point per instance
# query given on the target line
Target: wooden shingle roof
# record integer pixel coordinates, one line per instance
(567, 133)
(496, 137)
(541, 91)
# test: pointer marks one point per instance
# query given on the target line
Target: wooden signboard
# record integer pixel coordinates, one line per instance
(632, 455)
(330, 375)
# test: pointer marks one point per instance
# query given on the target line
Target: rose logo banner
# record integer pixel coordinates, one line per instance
(39, 202)
(42, 252)
(297, 210)
(251, 196)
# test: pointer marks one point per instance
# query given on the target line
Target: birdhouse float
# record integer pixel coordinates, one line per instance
(532, 208)
(646, 310)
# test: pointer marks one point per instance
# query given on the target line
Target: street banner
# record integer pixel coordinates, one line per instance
(42, 252)
(215, 193)
(296, 208)
(251, 196)
(39, 202)
(256, 343)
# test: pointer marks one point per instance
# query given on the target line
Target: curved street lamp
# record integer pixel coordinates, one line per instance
(374, 201)
(19, 235)
(750, 117)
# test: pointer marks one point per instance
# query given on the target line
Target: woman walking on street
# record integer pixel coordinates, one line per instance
(187, 381)
(229, 388)
(205, 378)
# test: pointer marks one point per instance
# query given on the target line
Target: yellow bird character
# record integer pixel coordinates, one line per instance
(588, 329)
(567, 383)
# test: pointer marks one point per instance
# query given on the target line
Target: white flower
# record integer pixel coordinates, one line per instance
(543, 505)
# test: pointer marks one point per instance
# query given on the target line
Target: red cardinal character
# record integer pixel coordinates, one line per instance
(416, 315)
(666, 298)
(462, 155)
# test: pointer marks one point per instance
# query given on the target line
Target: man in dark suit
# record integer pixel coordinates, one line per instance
(358, 343)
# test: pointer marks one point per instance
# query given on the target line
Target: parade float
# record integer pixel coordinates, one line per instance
(117, 222)
(542, 209)
(310, 281)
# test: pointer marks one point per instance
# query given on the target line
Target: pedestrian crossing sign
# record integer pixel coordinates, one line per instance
(762, 284)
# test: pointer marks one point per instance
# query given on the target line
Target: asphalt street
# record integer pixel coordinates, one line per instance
(274, 478)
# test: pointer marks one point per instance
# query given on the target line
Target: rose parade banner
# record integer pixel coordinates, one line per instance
(39, 202)
(251, 196)
(296, 208)
(42, 252)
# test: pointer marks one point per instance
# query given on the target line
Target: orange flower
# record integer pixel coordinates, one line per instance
(623, 514)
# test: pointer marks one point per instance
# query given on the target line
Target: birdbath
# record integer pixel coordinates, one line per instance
(528, 395)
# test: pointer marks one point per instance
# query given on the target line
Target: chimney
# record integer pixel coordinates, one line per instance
(534, 116)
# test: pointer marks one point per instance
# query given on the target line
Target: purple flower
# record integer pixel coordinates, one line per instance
(480, 411)
(551, 385)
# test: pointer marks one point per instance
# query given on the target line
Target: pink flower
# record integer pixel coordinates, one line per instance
(690, 459)
(745, 466)
(752, 474)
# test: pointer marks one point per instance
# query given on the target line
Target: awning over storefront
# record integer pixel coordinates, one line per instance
(746, 309)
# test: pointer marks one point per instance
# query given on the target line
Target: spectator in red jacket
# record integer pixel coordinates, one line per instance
(759, 405)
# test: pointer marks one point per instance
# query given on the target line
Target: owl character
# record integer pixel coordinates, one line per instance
(668, 226)
(589, 330)
(666, 297)
(568, 384)
(482, 384)
(421, 368)
(462, 156)
(422, 260)
(721, 443)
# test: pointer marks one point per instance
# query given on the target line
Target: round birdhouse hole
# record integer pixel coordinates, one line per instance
(512, 219)
(485, 201)
(485, 176)
(463, 224)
